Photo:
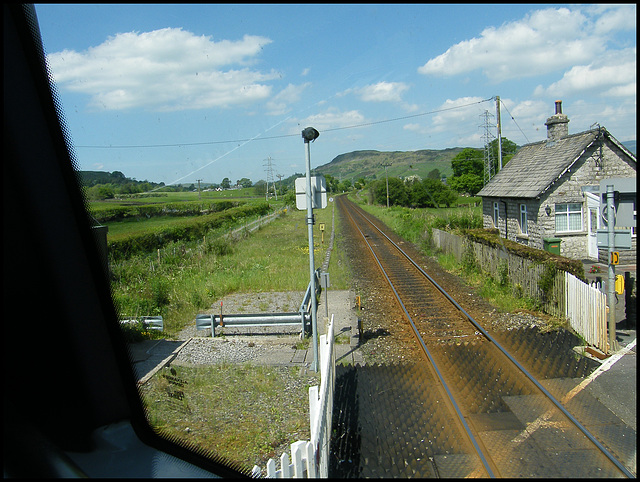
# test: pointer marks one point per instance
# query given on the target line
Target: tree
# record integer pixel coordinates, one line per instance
(118, 177)
(226, 183)
(245, 182)
(468, 171)
(398, 195)
(509, 148)
(332, 183)
(344, 185)
(434, 174)
(468, 161)
(467, 183)
(260, 188)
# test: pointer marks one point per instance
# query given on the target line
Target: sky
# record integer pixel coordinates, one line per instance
(180, 93)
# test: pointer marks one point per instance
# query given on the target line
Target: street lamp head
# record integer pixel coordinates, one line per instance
(310, 134)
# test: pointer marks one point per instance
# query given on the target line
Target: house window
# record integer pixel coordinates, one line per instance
(523, 219)
(568, 217)
(496, 214)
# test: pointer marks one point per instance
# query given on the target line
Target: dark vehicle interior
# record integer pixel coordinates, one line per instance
(71, 407)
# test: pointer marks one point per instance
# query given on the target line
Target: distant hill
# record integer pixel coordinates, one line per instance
(631, 145)
(370, 164)
(93, 178)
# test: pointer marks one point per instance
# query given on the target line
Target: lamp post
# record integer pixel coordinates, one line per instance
(310, 135)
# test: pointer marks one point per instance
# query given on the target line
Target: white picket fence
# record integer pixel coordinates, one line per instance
(586, 310)
(310, 459)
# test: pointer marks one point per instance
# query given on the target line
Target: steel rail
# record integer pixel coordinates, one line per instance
(531, 378)
(459, 414)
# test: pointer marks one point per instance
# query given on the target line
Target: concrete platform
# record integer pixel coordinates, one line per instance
(149, 356)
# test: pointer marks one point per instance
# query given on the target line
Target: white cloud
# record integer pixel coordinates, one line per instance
(542, 42)
(614, 18)
(166, 69)
(287, 96)
(383, 92)
(332, 119)
(453, 114)
(615, 75)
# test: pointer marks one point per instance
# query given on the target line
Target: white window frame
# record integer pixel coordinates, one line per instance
(569, 213)
(496, 214)
(524, 226)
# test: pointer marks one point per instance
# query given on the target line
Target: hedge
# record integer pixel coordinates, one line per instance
(188, 230)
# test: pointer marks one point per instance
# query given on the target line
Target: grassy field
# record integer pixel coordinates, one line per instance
(183, 279)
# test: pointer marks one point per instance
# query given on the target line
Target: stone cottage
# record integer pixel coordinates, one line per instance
(548, 194)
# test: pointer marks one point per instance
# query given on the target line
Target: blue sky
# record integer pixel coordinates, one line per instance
(176, 93)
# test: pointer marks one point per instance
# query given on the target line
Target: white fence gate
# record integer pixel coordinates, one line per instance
(586, 310)
(310, 459)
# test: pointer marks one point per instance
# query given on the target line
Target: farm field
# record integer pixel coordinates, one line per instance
(186, 276)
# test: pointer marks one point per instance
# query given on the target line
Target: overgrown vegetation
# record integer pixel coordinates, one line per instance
(185, 277)
(207, 406)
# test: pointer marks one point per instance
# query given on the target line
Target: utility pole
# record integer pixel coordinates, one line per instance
(199, 188)
(387, 177)
(499, 129)
(279, 176)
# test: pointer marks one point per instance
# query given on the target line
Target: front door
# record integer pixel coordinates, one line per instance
(593, 223)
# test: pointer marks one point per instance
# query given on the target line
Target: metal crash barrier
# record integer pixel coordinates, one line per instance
(149, 322)
(302, 317)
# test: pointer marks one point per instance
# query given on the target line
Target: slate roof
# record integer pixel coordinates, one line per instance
(537, 166)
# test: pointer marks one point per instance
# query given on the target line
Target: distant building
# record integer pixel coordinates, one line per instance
(550, 190)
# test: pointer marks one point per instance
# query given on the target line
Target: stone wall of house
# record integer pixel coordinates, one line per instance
(595, 165)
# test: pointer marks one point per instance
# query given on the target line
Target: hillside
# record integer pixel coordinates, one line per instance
(370, 164)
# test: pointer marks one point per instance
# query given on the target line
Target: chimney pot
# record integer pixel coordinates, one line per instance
(558, 107)
(557, 124)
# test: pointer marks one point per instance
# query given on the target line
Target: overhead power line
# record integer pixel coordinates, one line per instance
(514, 121)
(367, 124)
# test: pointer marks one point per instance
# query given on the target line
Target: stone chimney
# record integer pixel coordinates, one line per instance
(557, 124)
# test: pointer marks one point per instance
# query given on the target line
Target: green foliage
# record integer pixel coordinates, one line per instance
(547, 280)
(458, 220)
(469, 264)
(491, 237)
(109, 213)
(397, 193)
(219, 247)
(412, 193)
(159, 294)
(467, 183)
(186, 230)
(503, 273)
(137, 332)
(469, 161)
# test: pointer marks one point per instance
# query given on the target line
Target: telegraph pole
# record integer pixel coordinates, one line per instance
(499, 128)
(199, 187)
(387, 177)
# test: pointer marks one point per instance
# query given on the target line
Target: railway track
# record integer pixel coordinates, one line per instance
(467, 407)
